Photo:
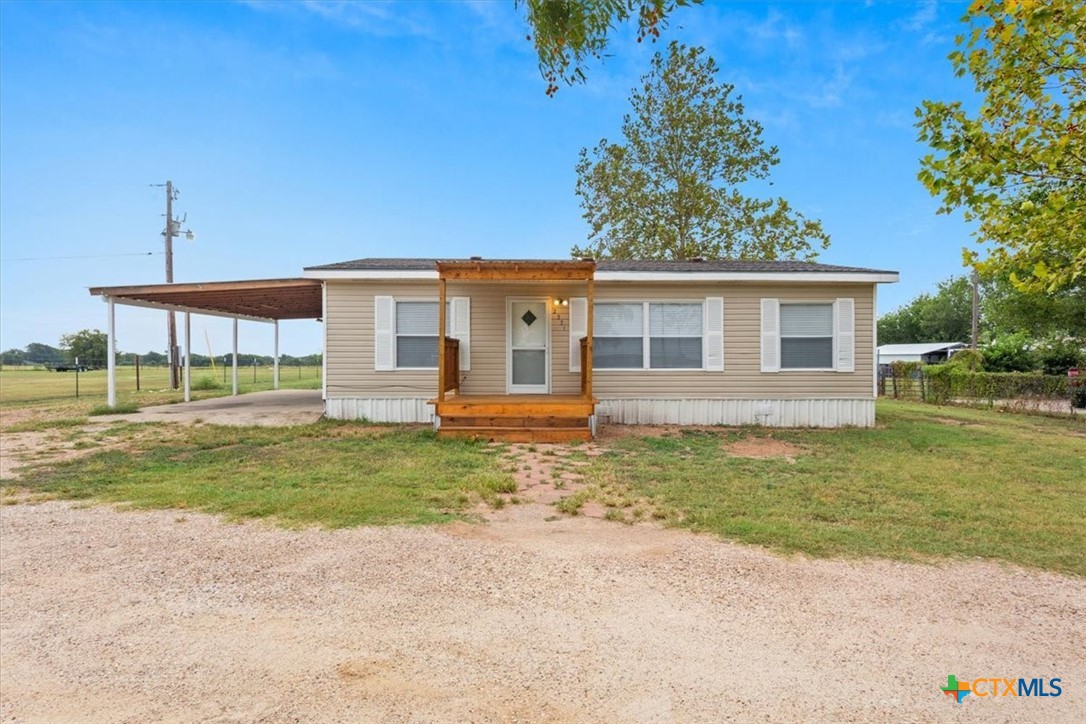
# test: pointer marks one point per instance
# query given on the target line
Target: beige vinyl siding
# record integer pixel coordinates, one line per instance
(350, 338)
(350, 347)
(742, 377)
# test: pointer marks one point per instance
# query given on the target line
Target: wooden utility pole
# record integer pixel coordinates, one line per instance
(976, 312)
(171, 322)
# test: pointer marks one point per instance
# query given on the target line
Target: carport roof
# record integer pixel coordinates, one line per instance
(260, 299)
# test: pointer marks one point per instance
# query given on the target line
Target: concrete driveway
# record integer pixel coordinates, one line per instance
(273, 408)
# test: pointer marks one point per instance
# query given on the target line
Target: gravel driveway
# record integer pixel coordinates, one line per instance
(164, 616)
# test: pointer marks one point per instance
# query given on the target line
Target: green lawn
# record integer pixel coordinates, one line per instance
(927, 482)
(328, 474)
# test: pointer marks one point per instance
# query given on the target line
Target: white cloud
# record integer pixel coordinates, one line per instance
(373, 17)
(923, 17)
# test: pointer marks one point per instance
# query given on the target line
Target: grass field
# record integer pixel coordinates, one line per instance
(22, 386)
(927, 483)
(330, 474)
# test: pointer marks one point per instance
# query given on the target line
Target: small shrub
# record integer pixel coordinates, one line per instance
(207, 382)
(968, 359)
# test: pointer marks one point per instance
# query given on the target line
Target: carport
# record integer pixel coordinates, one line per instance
(255, 300)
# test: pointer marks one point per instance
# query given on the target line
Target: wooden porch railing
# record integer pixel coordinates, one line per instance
(586, 370)
(452, 366)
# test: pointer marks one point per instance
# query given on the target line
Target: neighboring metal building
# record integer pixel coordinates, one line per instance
(926, 352)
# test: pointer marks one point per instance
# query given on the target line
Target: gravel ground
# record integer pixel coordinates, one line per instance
(164, 616)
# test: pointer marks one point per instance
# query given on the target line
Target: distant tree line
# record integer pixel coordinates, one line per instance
(89, 346)
(1019, 331)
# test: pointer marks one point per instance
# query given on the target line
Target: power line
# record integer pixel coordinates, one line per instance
(87, 256)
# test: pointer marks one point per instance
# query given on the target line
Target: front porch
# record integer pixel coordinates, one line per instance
(517, 418)
(539, 416)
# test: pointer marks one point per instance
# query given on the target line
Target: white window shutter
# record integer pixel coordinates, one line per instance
(578, 327)
(771, 335)
(461, 329)
(713, 334)
(845, 342)
(384, 331)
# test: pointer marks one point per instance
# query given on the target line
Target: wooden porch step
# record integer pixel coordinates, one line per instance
(476, 421)
(463, 408)
(518, 434)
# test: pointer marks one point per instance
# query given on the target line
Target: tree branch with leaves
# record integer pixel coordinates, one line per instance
(568, 33)
(1018, 165)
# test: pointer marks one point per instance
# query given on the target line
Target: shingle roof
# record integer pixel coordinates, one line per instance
(628, 265)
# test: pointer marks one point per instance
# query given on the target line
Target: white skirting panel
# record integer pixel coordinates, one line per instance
(395, 409)
(772, 413)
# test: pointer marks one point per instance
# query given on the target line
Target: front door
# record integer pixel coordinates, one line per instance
(528, 357)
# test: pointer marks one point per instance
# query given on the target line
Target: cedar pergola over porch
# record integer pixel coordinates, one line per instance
(541, 417)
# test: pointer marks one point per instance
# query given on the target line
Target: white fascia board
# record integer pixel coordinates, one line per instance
(191, 310)
(390, 274)
(830, 277)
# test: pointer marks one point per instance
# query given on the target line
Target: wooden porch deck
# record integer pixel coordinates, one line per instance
(516, 418)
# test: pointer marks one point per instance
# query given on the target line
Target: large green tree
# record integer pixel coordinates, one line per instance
(567, 33)
(1059, 314)
(674, 188)
(1017, 164)
(945, 316)
(44, 354)
(88, 345)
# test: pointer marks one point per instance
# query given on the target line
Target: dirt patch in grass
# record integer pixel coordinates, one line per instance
(760, 448)
(54, 446)
(952, 421)
(545, 474)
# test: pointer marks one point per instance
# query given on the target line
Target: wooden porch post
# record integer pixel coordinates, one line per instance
(588, 333)
(441, 340)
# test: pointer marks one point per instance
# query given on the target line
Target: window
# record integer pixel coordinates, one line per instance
(807, 336)
(675, 336)
(643, 335)
(416, 334)
(618, 336)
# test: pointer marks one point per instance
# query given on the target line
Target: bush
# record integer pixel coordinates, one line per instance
(1056, 356)
(207, 382)
(967, 359)
(946, 383)
(1010, 353)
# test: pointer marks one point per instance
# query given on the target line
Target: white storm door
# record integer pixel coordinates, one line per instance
(528, 355)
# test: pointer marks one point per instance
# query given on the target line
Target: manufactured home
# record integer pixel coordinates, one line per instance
(549, 349)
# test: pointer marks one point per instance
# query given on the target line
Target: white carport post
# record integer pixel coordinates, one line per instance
(275, 370)
(111, 362)
(188, 357)
(235, 371)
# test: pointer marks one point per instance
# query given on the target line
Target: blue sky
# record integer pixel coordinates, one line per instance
(312, 132)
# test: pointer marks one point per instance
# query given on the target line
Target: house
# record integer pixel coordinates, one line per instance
(924, 352)
(686, 342)
(547, 349)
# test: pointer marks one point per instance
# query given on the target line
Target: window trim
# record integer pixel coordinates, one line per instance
(832, 304)
(396, 334)
(646, 339)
